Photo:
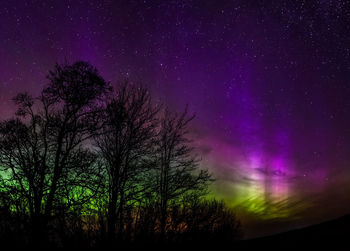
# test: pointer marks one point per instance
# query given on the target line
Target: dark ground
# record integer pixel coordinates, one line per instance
(330, 235)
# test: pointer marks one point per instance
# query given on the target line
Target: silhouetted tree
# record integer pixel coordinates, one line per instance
(125, 143)
(81, 160)
(42, 154)
(177, 170)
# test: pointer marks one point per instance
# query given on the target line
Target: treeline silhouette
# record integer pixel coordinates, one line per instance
(88, 165)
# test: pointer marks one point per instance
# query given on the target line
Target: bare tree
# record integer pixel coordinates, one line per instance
(42, 152)
(177, 169)
(80, 160)
(125, 144)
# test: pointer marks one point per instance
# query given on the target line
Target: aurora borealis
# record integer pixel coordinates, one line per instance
(268, 81)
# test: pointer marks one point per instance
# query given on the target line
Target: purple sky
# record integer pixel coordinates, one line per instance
(269, 83)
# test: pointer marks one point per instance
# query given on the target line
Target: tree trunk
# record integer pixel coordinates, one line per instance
(121, 216)
(112, 218)
(39, 233)
(163, 219)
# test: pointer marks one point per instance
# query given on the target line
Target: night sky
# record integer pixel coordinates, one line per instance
(268, 81)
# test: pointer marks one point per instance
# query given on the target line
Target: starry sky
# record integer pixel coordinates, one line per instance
(268, 81)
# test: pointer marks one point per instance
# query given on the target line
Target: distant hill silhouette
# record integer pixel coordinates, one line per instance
(332, 235)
